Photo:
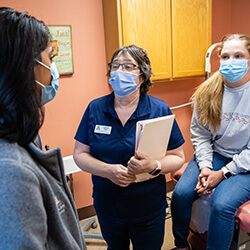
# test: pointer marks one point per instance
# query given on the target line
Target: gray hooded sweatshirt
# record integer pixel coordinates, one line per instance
(36, 207)
(232, 140)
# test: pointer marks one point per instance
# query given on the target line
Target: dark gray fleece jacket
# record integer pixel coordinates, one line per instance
(36, 207)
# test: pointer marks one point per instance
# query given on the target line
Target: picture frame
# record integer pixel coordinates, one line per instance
(62, 48)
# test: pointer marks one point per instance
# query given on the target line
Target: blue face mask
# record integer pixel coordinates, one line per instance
(234, 69)
(123, 83)
(49, 92)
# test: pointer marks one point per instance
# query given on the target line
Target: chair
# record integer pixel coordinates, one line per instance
(241, 239)
(242, 227)
(70, 168)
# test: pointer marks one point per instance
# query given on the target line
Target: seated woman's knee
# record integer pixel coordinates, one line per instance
(220, 208)
(182, 194)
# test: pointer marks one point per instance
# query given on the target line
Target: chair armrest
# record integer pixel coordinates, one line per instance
(243, 216)
(177, 174)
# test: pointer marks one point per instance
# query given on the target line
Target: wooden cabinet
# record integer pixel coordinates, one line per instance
(191, 36)
(175, 33)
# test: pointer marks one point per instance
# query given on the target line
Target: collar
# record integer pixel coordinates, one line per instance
(240, 88)
(143, 108)
(51, 160)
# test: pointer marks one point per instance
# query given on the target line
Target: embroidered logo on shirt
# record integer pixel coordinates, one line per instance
(236, 117)
(60, 205)
(100, 129)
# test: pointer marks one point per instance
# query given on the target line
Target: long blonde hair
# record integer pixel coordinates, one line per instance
(208, 96)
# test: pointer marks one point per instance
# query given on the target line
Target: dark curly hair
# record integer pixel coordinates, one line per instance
(141, 57)
(22, 39)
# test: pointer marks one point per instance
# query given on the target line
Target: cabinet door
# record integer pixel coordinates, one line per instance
(146, 23)
(191, 34)
(175, 33)
(112, 26)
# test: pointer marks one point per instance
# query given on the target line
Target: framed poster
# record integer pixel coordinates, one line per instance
(62, 48)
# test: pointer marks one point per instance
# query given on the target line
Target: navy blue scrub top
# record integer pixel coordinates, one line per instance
(113, 143)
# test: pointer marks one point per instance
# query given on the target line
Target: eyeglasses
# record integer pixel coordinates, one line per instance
(126, 66)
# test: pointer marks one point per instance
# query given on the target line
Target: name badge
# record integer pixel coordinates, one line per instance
(100, 129)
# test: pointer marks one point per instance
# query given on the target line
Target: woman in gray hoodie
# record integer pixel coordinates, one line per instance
(220, 134)
(36, 207)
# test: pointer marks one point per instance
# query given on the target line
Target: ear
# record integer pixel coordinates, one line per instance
(141, 80)
(36, 70)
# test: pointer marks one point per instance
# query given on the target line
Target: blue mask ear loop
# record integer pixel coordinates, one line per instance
(39, 83)
(44, 65)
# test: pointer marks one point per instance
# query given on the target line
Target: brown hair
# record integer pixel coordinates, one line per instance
(208, 96)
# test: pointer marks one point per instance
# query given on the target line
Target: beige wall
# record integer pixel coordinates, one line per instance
(89, 81)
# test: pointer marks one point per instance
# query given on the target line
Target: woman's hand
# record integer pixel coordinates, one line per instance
(141, 164)
(116, 173)
(202, 180)
(120, 176)
(208, 180)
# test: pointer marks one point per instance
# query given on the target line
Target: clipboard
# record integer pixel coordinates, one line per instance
(152, 137)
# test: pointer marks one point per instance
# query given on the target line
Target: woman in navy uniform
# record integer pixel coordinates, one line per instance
(105, 146)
